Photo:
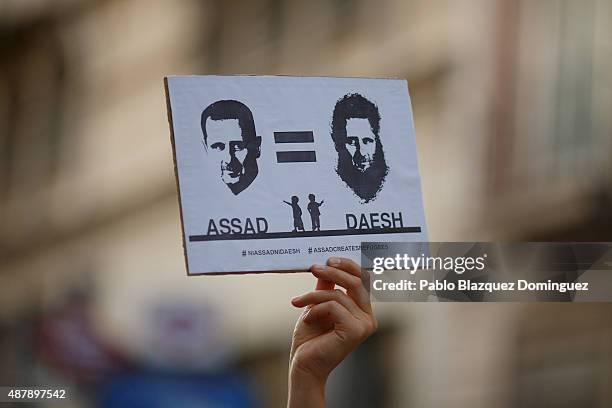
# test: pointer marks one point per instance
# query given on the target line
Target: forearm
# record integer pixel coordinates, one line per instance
(305, 391)
(332, 325)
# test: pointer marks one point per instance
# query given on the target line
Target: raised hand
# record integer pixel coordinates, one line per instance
(333, 323)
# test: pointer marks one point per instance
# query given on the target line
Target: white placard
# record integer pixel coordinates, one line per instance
(276, 173)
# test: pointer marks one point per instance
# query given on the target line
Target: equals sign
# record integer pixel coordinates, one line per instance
(295, 156)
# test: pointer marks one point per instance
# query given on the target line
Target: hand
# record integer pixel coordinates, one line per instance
(332, 325)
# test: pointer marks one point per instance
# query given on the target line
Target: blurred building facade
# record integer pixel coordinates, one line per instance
(511, 102)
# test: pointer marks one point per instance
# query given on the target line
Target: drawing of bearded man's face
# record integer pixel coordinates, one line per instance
(360, 143)
(361, 160)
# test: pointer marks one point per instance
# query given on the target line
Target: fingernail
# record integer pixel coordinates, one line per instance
(318, 268)
(333, 261)
(295, 299)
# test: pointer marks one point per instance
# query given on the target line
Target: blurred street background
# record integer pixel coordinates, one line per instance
(512, 105)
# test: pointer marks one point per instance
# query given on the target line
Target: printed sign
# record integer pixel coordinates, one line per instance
(277, 173)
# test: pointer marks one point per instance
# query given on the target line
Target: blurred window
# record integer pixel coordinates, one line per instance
(564, 356)
(344, 14)
(546, 132)
(33, 69)
(277, 16)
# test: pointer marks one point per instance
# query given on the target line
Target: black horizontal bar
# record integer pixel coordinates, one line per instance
(294, 137)
(296, 156)
(304, 234)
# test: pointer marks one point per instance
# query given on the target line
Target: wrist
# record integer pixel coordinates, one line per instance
(305, 389)
(304, 379)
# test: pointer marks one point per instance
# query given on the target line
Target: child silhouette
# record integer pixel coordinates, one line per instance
(313, 209)
(297, 214)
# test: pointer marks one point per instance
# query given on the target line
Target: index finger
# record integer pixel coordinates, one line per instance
(354, 268)
(347, 274)
(346, 265)
(323, 284)
(340, 263)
